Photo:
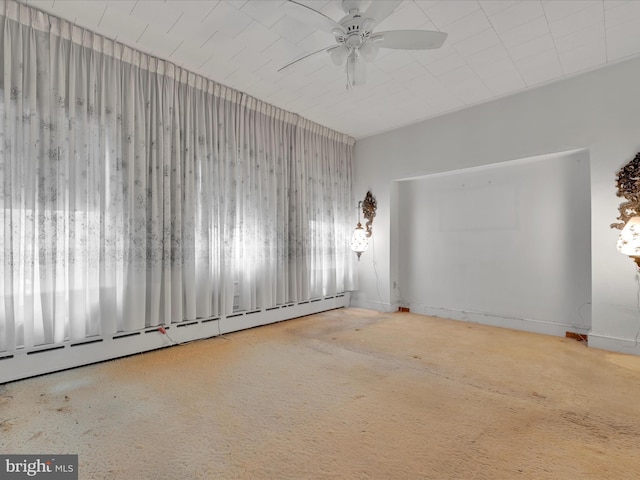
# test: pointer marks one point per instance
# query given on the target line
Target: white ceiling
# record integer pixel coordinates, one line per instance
(494, 48)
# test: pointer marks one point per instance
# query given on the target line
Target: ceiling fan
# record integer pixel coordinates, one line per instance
(356, 41)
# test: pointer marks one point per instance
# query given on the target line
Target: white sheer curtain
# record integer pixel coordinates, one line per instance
(134, 193)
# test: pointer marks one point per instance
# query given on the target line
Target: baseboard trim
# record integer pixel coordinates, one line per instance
(370, 305)
(498, 320)
(20, 364)
(614, 344)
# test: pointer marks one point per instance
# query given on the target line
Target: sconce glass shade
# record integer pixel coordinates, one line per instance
(359, 240)
(629, 239)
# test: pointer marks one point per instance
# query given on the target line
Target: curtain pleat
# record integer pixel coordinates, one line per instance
(134, 193)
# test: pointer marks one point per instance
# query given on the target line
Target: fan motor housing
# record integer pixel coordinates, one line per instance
(355, 35)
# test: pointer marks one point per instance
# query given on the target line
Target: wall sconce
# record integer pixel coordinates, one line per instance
(360, 238)
(628, 184)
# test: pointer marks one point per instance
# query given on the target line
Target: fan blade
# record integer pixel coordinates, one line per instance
(411, 39)
(380, 9)
(312, 17)
(303, 57)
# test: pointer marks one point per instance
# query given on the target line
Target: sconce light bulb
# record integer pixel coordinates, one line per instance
(629, 239)
(359, 240)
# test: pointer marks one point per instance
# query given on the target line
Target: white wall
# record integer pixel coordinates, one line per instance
(598, 111)
(507, 244)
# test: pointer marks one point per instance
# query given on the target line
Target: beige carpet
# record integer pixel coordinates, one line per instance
(347, 394)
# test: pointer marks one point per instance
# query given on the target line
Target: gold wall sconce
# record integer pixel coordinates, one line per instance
(360, 238)
(628, 184)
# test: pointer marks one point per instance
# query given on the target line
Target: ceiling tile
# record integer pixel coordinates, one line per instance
(505, 67)
(622, 13)
(315, 41)
(525, 32)
(191, 8)
(589, 35)
(222, 46)
(242, 76)
(558, 9)
(251, 59)
(487, 58)
(394, 61)
(621, 43)
(491, 7)
(468, 26)
(540, 68)
(375, 77)
(227, 19)
(408, 16)
(409, 71)
(609, 4)
(328, 7)
(191, 55)
(269, 72)
(584, 57)
(446, 65)
(422, 84)
(445, 13)
(506, 82)
(189, 24)
(620, 30)
(124, 28)
(78, 12)
(218, 68)
(295, 31)
(516, 15)
(162, 43)
(540, 45)
(445, 103)
(472, 92)
(123, 6)
(283, 51)
(477, 43)
(267, 12)
(321, 69)
(263, 90)
(587, 17)
(426, 57)
(164, 15)
(459, 75)
(257, 34)
(426, 4)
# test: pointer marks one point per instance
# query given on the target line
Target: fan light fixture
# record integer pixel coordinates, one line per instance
(360, 238)
(339, 55)
(356, 41)
(369, 50)
(356, 70)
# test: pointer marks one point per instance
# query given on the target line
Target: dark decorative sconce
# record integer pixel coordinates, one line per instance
(360, 239)
(628, 184)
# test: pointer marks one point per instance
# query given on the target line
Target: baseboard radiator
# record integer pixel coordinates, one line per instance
(25, 363)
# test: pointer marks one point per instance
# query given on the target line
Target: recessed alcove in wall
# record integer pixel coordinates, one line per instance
(506, 244)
